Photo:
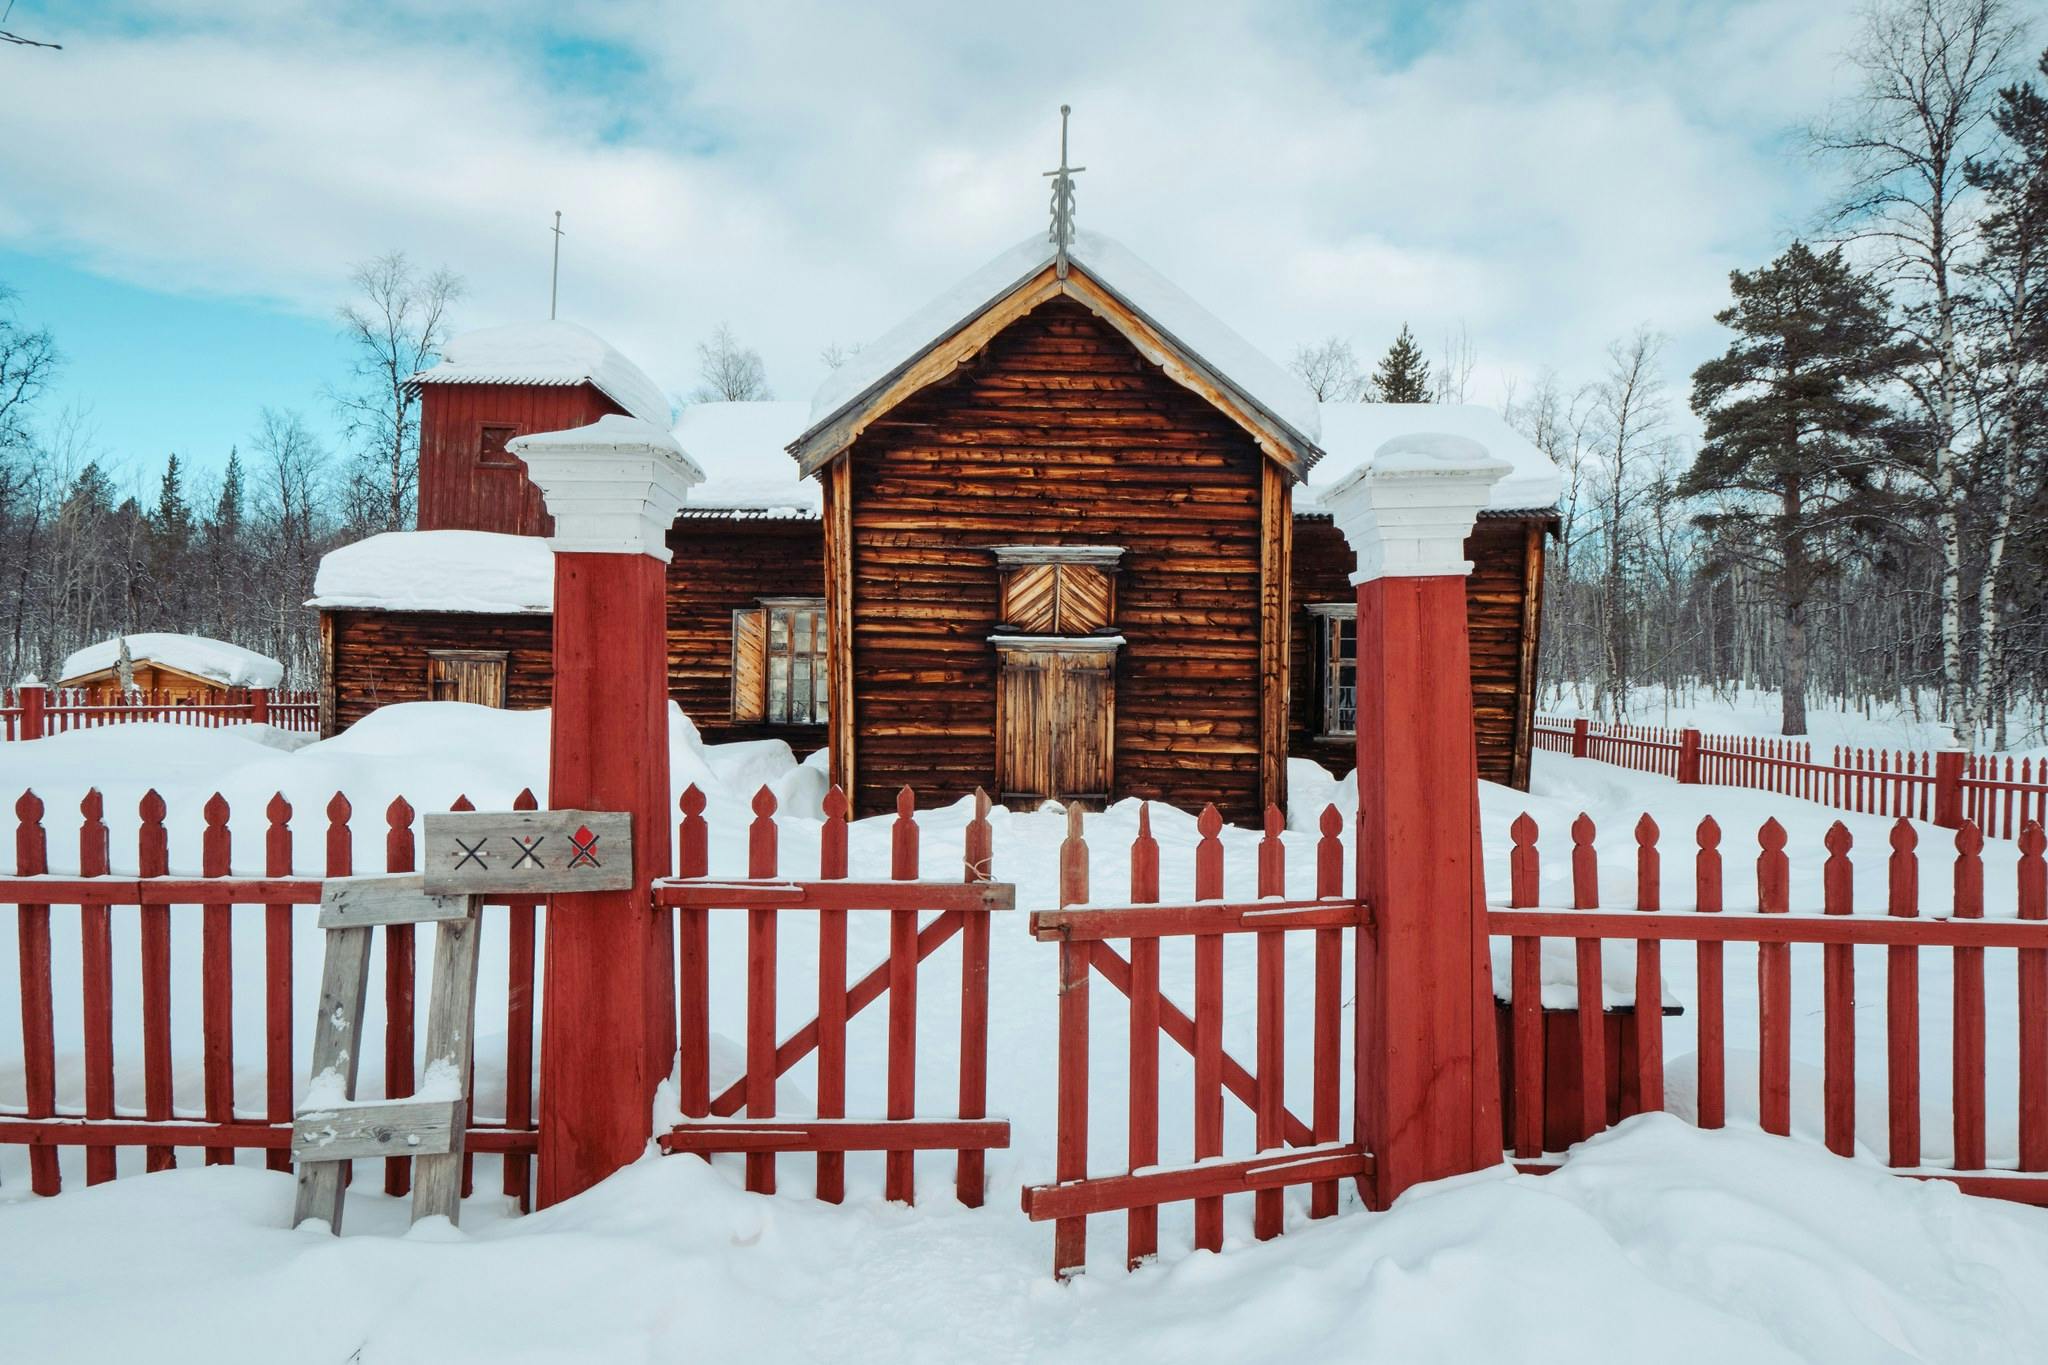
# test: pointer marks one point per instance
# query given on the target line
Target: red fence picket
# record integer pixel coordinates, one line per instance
(35, 711)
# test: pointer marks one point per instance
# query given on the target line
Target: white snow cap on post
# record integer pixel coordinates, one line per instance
(1408, 512)
(613, 487)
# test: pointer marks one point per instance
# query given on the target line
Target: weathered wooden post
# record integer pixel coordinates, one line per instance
(608, 1029)
(1428, 1090)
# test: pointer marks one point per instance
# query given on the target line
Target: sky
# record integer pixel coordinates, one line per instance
(184, 187)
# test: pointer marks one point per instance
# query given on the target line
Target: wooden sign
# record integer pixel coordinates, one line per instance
(469, 852)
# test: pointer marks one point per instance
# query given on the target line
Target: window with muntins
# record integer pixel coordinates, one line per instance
(778, 662)
(1337, 667)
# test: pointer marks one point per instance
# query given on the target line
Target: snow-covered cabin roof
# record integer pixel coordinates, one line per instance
(1353, 432)
(743, 451)
(439, 571)
(1276, 395)
(549, 353)
(215, 660)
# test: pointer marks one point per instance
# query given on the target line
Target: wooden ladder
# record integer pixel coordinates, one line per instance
(331, 1130)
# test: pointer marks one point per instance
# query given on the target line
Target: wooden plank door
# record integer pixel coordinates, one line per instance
(1055, 722)
(471, 675)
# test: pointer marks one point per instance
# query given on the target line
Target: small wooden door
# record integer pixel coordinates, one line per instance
(1055, 722)
(471, 675)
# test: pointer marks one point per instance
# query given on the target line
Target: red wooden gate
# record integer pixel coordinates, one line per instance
(960, 908)
(1288, 1151)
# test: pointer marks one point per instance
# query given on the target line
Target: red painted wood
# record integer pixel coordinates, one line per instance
(1649, 1004)
(693, 963)
(838, 1138)
(1329, 1006)
(1271, 1036)
(519, 954)
(1948, 789)
(1967, 1032)
(217, 980)
(1070, 1156)
(463, 803)
(340, 862)
(152, 855)
(762, 858)
(400, 958)
(1072, 1201)
(1523, 871)
(1838, 986)
(969, 1164)
(899, 1174)
(1525, 967)
(1902, 1003)
(38, 1028)
(277, 978)
(2033, 1004)
(608, 1024)
(1204, 919)
(1588, 971)
(1774, 988)
(1142, 1222)
(96, 962)
(832, 865)
(1208, 1020)
(1710, 978)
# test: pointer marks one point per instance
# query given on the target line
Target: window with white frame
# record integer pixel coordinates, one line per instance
(1336, 626)
(778, 662)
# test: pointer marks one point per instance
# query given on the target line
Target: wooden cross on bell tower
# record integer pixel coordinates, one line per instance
(1062, 234)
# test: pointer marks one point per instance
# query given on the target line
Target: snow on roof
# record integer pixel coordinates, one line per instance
(229, 665)
(439, 571)
(741, 449)
(1117, 269)
(551, 352)
(1354, 432)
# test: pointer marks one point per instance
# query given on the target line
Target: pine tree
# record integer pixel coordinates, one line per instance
(1792, 415)
(1403, 373)
(170, 548)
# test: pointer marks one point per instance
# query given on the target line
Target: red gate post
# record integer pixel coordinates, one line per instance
(608, 1019)
(35, 699)
(1689, 755)
(1428, 1088)
(259, 706)
(1948, 782)
(1581, 728)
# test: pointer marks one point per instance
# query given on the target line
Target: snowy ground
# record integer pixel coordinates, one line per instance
(1654, 1240)
(1908, 723)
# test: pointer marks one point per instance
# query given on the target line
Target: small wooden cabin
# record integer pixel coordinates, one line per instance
(1056, 535)
(171, 668)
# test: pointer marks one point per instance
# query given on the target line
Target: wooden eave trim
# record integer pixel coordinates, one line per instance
(830, 439)
(111, 673)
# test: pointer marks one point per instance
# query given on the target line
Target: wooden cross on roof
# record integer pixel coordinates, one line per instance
(1062, 234)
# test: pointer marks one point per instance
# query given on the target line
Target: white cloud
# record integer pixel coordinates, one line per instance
(810, 173)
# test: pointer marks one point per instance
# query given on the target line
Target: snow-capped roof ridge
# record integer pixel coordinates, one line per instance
(1353, 433)
(551, 352)
(230, 665)
(483, 571)
(1123, 273)
(741, 448)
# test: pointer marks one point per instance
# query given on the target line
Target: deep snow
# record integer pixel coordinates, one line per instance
(1655, 1239)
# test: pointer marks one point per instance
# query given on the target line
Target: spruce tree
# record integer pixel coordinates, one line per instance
(1792, 416)
(1403, 373)
(170, 548)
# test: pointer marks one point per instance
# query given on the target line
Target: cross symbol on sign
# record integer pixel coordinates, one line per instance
(526, 852)
(585, 845)
(472, 853)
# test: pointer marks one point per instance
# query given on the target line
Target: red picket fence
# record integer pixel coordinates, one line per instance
(959, 908)
(1286, 1149)
(217, 899)
(1776, 927)
(1944, 788)
(34, 712)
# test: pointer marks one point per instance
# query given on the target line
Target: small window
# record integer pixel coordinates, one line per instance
(778, 662)
(490, 450)
(1336, 667)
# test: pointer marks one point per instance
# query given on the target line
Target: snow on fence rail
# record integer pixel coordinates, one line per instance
(1946, 788)
(1287, 1149)
(1775, 928)
(163, 905)
(35, 712)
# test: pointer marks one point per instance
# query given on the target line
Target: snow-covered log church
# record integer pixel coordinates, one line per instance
(1057, 534)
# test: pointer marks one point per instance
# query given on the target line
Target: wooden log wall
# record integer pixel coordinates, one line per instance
(722, 564)
(460, 492)
(379, 658)
(1507, 567)
(1058, 433)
